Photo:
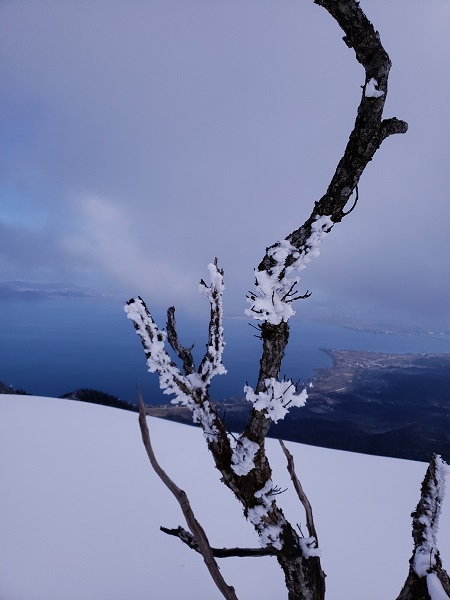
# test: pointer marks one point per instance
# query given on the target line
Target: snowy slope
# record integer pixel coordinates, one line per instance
(81, 510)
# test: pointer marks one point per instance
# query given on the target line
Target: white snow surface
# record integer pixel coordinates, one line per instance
(81, 510)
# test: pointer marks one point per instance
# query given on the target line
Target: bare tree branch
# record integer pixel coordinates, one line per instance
(347, 212)
(300, 493)
(188, 539)
(184, 354)
(197, 530)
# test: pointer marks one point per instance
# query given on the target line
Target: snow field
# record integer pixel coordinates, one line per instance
(81, 510)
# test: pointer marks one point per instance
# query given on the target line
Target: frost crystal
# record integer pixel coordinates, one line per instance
(189, 390)
(269, 533)
(272, 300)
(277, 399)
(243, 456)
(214, 293)
(371, 90)
(309, 547)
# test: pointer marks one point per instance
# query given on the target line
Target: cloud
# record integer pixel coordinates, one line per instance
(38, 291)
(109, 241)
(208, 129)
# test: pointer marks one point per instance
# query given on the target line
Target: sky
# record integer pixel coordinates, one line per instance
(139, 140)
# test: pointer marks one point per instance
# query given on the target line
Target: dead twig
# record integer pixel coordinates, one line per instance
(188, 539)
(300, 493)
(196, 529)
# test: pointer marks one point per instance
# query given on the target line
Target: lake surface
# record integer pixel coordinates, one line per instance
(53, 347)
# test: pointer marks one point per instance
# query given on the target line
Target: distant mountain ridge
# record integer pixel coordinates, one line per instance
(97, 397)
(82, 395)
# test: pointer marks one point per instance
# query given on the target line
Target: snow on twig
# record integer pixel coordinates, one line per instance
(277, 398)
(371, 90)
(189, 390)
(272, 300)
(171, 381)
(212, 363)
(259, 515)
(427, 517)
(243, 456)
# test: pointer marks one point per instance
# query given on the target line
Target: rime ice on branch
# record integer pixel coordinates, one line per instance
(426, 517)
(276, 399)
(260, 516)
(275, 287)
(427, 578)
(190, 389)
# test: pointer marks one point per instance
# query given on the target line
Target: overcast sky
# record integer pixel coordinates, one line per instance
(142, 138)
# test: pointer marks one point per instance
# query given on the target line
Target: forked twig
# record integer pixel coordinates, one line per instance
(300, 493)
(196, 529)
(188, 539)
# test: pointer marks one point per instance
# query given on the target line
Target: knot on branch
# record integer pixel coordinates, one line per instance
(391, 127)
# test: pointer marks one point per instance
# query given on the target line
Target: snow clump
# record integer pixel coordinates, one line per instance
(277, 399)
(272, 300)
(243, 456)
(371, 90)
(269, 534)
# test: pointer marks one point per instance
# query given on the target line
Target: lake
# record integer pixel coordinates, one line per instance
(53, 347)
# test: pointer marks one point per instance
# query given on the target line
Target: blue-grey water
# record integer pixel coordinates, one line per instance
(54, 347)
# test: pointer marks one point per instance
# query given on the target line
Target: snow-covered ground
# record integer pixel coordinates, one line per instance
(80, 510)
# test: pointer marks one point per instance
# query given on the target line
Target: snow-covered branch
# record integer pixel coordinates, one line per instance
(212, 362)
(427, 578)
(276, 399)
(276, 285)
(191, 389)
(171, 381)
(426, 517)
